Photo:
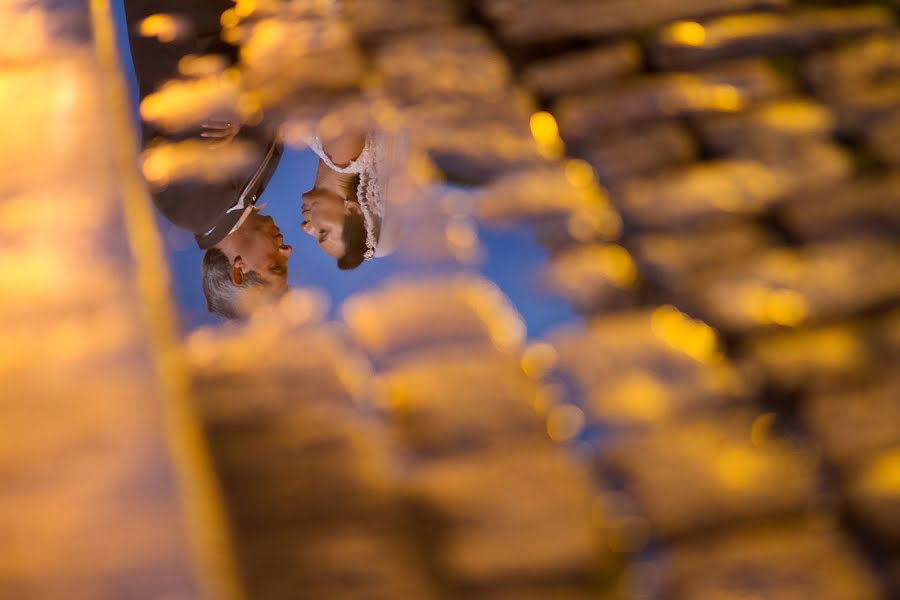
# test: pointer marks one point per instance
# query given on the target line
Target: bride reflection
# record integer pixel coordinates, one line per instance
(344, 209)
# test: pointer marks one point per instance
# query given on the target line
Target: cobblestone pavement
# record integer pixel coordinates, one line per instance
(102, 489)
(716, 183)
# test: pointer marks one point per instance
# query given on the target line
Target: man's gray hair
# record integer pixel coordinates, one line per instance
(223, 296)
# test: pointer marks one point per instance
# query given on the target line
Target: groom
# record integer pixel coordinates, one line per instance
(246, 259)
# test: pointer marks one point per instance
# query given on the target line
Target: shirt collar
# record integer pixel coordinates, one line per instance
(247, 211)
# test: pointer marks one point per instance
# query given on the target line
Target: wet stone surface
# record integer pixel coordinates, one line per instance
(717, 197)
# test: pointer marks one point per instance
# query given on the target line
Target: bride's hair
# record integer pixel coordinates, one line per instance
(354, 237)
(354, 233)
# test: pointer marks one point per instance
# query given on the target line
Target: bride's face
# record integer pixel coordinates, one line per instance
(323, 218)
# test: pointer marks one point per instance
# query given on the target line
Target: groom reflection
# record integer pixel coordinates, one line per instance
(245, 264)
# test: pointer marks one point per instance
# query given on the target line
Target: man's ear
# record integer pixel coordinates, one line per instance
(237, 271)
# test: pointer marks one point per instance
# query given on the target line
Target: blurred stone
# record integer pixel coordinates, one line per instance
(815, 358)
(449, 402)
(883, 140)
(885, 335)
(595, 277)
(453, 89)
(445, 65)
(807, 165)
(792, 118)
(700, 474)
(790, 287)
(666, 259)
(509, 518)
(854, 65)
(863, 109)
(534, 591)
(639, 151)
(534, 21)
(787, 563)
(583, 70)
(689, 44)
(373, 20)
(873, 495)
(862, 206)
(408, 316)
(855, 422)
(643, 367)
(304, 473)
(342, 563)
(98, 497)
(702, 194)
(288, 62)
(471, 151)
(567, 191)
(726, 88)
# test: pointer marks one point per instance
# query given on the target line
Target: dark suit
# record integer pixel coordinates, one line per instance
(202, 208)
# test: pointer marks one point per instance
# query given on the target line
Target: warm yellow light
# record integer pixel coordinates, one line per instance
(461, 234)
(638, 397)
(579, 173)
(618, 265)
(726, 98)
(565, 422)
(165, 28)
(695, 338)
(245, 8)
(737, 467)
(538, 359)
(762, 429)
(229, 19)
(686, 33)
(546, 133)
(882, 475)
(780, 307)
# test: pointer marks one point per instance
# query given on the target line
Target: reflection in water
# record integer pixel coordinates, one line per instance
(340, 211)
(207, 172)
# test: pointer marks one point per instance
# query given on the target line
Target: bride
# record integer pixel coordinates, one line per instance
(344, 210)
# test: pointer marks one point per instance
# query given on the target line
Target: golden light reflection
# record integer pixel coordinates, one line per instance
(737, 467)
(183, 104)
(761, 429)
(565, 422)
(164, 27)
(546, 134)
(618, 265)
(194, 160)
(685, 33)
(797, 116)
(881, 476)
(693, 337)
(506, 326)
(538, 359)
(462, 236)
(206, 65)
(784, 307)
(726, 98)
(636, 397)
(579, 173)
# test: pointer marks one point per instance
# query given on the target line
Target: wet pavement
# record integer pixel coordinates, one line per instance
(715, 184)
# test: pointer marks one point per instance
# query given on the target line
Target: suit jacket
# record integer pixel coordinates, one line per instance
(207, 210)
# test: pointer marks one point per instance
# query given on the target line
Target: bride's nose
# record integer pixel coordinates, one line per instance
(308, 228)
